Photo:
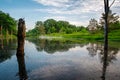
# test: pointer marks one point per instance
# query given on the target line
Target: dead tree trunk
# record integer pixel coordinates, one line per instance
(21, 37)
(106, 7)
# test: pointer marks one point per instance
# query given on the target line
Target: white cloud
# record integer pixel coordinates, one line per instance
(84, 9)
(72, 6)
(79, 23)
(74, 22)
(55, 3)
(75, 6)
(60, 11)
(55, 17)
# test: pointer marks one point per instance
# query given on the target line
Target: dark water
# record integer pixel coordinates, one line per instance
(59, 60)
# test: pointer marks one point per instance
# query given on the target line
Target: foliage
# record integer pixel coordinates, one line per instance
(113, 21)
(7, 23)
(52, 26)
(38, 30)
(93, 25)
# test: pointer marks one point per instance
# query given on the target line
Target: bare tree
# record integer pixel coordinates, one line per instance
(106, 8)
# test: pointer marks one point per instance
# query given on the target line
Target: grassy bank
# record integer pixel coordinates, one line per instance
(113, 35)
(8, 37)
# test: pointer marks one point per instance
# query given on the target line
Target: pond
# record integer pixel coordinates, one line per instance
(59, 60)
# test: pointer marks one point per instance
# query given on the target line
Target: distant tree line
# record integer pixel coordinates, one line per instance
(53, 26)
(7, 24)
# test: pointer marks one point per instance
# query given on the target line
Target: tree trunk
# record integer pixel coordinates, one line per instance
(106, 7)
(21, 37)
(1, 30)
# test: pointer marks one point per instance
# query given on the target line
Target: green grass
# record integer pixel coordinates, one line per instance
(8, 37)
(79, 35)
(113, 35)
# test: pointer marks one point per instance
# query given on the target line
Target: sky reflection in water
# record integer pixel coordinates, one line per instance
(56, 60)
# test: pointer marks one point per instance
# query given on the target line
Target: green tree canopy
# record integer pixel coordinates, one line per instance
(7, 23)
(53, 26)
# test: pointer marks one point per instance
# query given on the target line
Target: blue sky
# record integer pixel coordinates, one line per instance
(77, 12)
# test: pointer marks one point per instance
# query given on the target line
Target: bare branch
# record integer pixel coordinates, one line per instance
(112, 3)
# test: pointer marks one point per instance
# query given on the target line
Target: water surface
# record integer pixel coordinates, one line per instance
(59, 60)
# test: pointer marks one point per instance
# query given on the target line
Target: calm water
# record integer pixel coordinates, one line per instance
(59, 60)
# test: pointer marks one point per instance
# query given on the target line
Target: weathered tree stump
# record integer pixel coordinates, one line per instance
(21, 36)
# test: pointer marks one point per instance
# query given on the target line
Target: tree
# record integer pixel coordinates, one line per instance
(93, 25)
(53, 26)
(112, 19)
(1, 30)
(49, 24)
(62, 26)
(8, 23)
(40, 27)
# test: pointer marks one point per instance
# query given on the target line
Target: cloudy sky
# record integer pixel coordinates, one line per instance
(77, 12)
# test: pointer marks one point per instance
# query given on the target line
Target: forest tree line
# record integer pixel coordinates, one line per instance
(52, 26)
(7, 24)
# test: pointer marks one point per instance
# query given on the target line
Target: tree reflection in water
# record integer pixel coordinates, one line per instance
(106, 55)
(105, 60)
(22, 68)
(1, 43)
(94, 49)
(7, 49)
(52, 46)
